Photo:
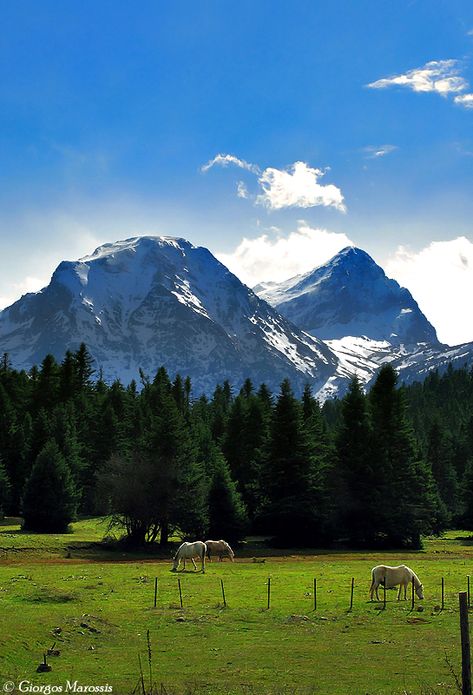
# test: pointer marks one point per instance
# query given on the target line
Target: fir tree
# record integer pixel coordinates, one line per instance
(294, 482)
(5, 490)
(410, 502)
(50, 497)
(357, 481)
(227, 516)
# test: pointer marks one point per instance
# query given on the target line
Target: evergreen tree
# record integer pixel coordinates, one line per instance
(357, 480)
(46, 390)
(227, 516)
(294, 481)
(179, 486)
(50, 497)
(440, 458)
(84, 367)
(410, 501)
(5, 490)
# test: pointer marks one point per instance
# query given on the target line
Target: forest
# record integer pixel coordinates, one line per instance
(380, 469)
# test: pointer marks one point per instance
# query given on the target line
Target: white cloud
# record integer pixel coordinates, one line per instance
(269, 258)
(377, 151)
(297, 186)
(440, 277)
(465, 100)
(441, 76)
(225, 160)
(242, 191)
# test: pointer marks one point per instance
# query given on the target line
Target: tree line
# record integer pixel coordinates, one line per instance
(368, 470)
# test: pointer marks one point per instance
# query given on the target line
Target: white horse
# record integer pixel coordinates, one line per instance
(188, 551)
(220, 548)
(394, 576)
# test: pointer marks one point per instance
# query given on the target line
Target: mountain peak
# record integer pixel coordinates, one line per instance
(137, 244)
(351, 295)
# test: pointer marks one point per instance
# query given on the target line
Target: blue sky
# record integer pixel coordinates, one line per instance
(109, 111)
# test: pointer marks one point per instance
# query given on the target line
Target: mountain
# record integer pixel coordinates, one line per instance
(351, 295)
(151, 301)
(365, 317)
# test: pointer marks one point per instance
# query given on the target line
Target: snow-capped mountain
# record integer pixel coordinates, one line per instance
(151, 301)
(350, 296)
(365, 317)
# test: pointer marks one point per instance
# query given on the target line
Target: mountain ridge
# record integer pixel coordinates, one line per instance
(149, 301)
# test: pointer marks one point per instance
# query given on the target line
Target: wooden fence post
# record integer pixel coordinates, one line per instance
(269, 592)
(351, 592)
(223, 593)
(180, 590)
(155, 591)
(413, 595)
(384, 595)
(443, 593)
(465, 643)
(315, 594)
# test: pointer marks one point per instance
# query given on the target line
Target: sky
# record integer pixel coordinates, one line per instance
(272, 132)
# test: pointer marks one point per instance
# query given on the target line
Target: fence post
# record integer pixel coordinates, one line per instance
(155, 591)
(180, 590)
(413, 595)
(465, 643)
(269, 592)
(384, 595)
(443, 593)
(315, 594)
(351, 592)
(468, 588)
(223, 593)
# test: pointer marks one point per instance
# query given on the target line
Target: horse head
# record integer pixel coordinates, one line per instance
(420, 591)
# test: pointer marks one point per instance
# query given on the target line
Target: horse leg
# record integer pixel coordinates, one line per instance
(399, 592)
(193, 562)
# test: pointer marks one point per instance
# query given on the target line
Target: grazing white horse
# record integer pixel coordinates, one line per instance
(220, 548)
(188, 551)
(394, 576)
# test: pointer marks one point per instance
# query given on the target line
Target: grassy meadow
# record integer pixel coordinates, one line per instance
(95, 606)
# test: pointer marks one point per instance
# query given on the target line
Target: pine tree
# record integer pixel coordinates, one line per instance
(46, 390)
(357, 480)
(440, 457)
(179, 485)
(410, 501)
(84, 367)
(50, 497)
(294, 481)
(5, 490)
(227, 515)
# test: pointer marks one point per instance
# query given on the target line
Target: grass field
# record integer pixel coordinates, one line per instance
(97, 606)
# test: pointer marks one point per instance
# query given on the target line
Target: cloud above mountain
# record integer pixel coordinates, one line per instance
(274, 256)
(295, 186)
(440, 277)
(378, 151)
(440, 76)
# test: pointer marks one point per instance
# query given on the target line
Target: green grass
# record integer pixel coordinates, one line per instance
(98, 613)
